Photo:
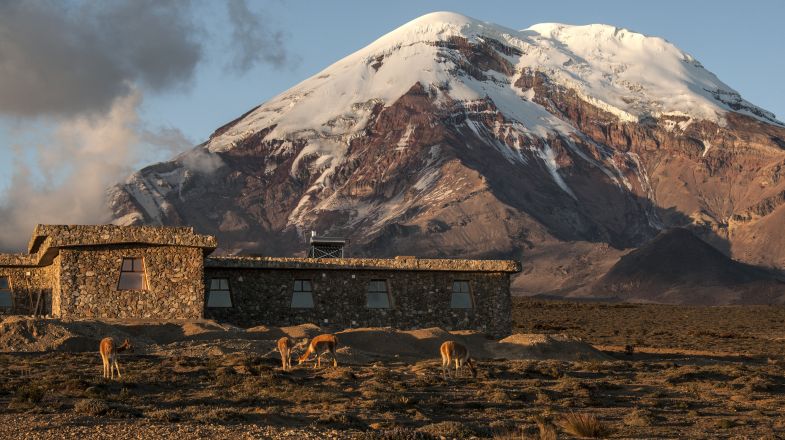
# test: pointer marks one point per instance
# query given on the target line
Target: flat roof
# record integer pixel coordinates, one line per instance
(18, 260)
(47, 240)
(91, 235)
(407, 263)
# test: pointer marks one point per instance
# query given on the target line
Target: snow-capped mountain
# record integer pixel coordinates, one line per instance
(452, 136)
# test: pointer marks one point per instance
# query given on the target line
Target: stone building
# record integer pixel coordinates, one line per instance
(148, 272)
(107, 271)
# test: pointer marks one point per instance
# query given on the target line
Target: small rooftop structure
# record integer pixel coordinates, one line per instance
(326, 247)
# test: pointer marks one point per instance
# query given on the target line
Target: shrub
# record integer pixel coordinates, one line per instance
(638, 417)
(341, 421)
(725, 424)
(584, 425)
(27, 396)
(545, 429)
(164, 415)
(399, 433)
(91, 407)
(450, 429)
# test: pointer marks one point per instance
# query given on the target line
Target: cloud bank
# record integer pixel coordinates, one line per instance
(252, 40)
(61, 58)
(81, 69)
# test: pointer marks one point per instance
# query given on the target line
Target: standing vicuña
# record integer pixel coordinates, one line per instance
(454, 351)
(321, 345)
(285, 348)
(109, 351)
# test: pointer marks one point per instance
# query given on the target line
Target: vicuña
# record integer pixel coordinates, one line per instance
(109, 351)
(285, 348)
(321, 345)
(457, 352)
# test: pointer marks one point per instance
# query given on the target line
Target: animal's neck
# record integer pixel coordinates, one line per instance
(121, 348)
(307, 353)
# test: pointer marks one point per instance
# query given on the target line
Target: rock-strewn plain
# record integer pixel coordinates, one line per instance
(689, 372)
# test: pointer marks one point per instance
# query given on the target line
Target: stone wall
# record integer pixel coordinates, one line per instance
(55, 285)
(89, 277)
(27, 281)
(420, 299)
(78, 267)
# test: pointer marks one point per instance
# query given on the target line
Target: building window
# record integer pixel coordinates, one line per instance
(132, 276)
(461, 296)
(219, 294)
(5, 294)
(378, 295)
(302, 296)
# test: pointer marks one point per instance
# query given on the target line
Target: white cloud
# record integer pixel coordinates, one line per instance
(67, 180)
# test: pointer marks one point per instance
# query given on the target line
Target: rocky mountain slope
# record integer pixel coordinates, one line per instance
(677, 267)
(454, 137)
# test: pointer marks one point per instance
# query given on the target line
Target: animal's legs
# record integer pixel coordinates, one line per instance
(105, 362)
(117, 367)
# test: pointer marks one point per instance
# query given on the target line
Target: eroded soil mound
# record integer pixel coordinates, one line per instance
(208, 338)
(538, 346)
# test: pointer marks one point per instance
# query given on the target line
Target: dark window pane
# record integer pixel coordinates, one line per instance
(298, 286)
(224, 283)
(302, 300)
(219, 299)
(128, 265)
(131, 281)
(377, 286)
(378, 300)
(3, 283)
(460, 286)
(461, 300)
(5, 299)
(307, 286)
(215, 284)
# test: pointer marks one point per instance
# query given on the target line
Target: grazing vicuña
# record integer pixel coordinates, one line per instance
(457, 352)
(321, 345)
(285, 348)
(109, 351)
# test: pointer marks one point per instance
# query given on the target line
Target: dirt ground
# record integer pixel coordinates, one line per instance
(710, 372)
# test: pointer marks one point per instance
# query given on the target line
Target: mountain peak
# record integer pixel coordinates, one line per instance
(439, 17)
(630, 75)
(452, 136)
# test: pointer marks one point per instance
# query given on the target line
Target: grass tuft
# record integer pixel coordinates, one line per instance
(584, 425)
(545, 428)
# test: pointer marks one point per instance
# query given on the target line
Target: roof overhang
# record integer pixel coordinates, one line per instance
(47, 240)
(401, 264)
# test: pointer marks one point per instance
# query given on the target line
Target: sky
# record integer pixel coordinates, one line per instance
(92, 90)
